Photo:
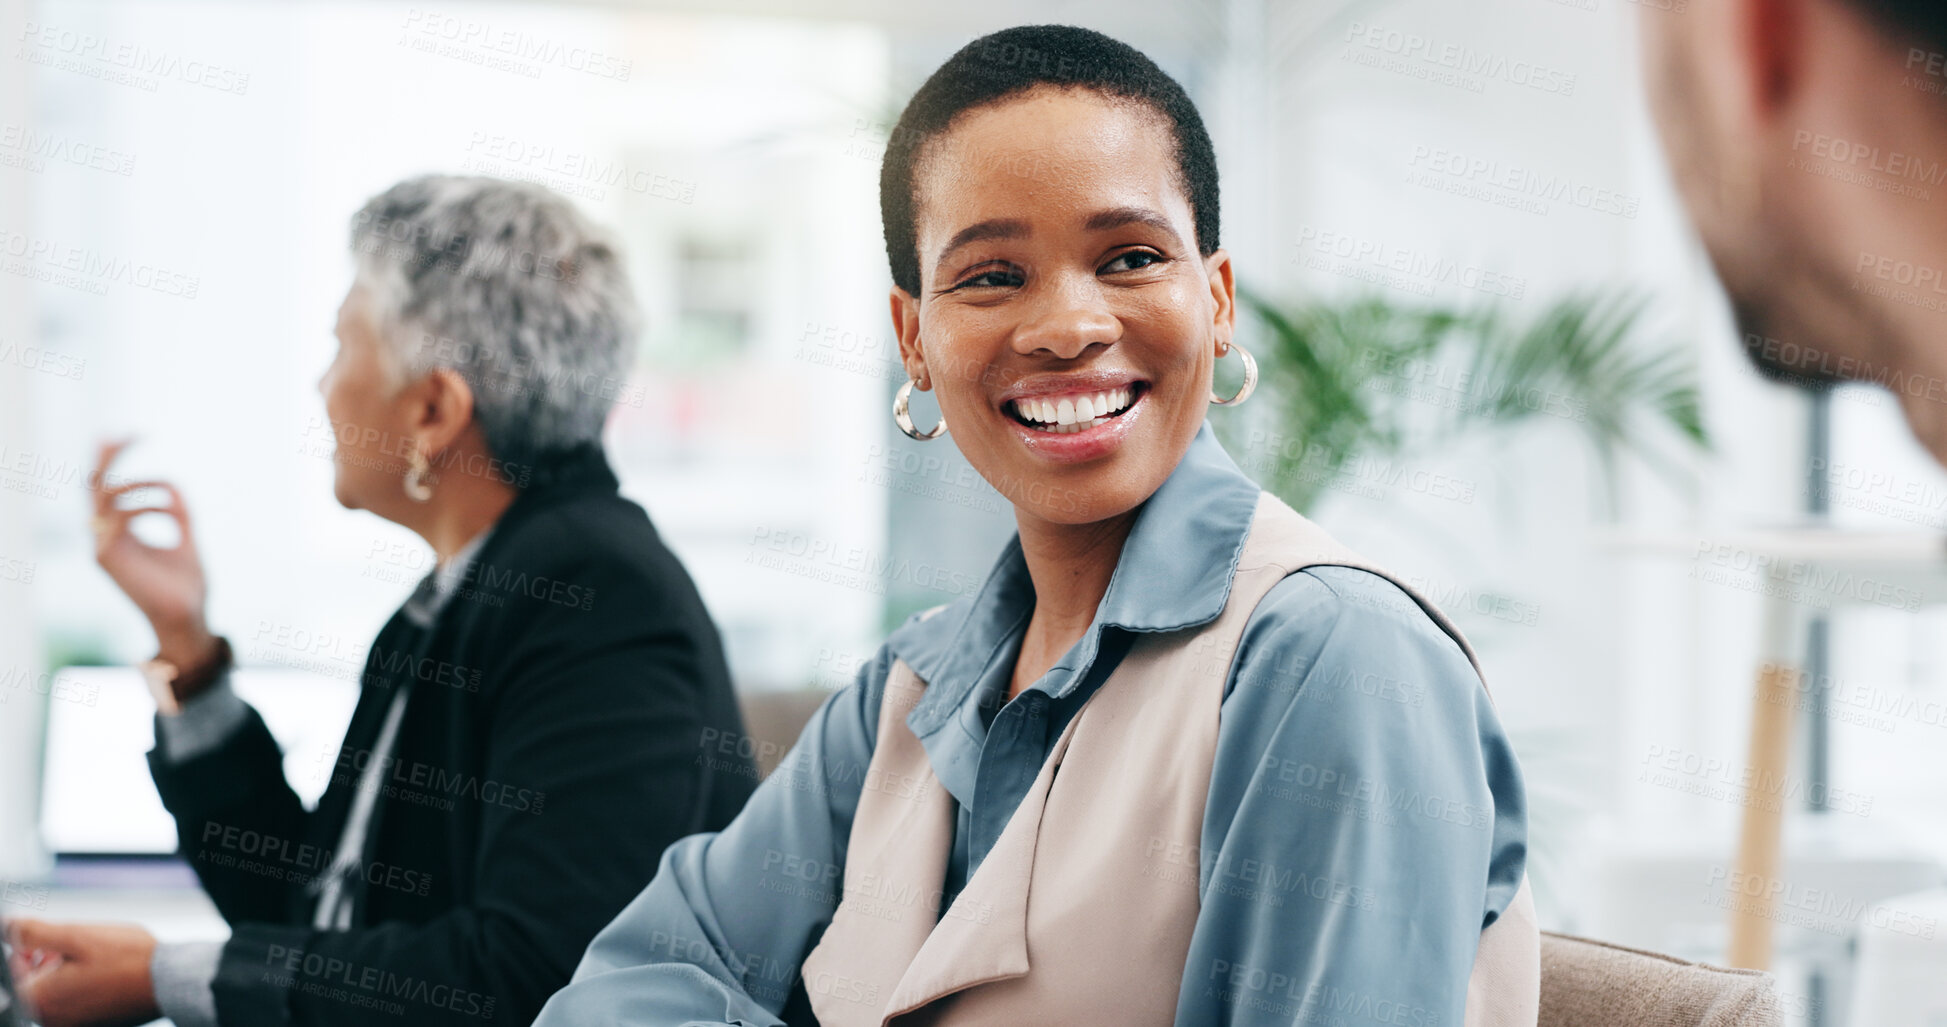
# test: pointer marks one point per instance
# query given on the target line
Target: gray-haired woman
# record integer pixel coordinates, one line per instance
(526, 739)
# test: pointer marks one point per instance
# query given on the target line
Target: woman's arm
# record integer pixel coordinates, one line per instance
(227, 792)
(594, 762)
(1366, 817)
(718, 936)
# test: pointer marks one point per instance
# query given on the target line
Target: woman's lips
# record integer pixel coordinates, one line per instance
(1079, 440)
(1065, 412)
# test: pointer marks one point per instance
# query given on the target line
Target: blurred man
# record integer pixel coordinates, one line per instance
(1809, 142)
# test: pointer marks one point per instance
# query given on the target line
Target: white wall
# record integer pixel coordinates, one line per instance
(20, 644)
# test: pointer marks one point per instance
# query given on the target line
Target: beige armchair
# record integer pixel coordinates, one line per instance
(1588, 983)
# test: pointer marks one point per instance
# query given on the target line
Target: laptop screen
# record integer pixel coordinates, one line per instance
(97, 796)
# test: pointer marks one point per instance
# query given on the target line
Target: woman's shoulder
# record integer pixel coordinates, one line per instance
(599, 539)
(1340, 669)
(1327, 630)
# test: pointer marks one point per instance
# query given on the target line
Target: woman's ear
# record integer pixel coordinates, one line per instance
(441, 408)
(1223, 294)
(905, 324)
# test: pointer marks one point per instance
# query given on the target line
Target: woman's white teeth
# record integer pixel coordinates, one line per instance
(1072, 413)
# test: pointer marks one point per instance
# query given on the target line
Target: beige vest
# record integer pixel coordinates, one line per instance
(1106, 935)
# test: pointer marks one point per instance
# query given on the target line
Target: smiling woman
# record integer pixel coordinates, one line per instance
(1283, 794)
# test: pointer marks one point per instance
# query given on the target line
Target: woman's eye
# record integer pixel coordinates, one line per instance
(1132, 261)
(996, 277)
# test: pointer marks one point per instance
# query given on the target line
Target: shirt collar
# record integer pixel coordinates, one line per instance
(437, 588)
(1174, 572)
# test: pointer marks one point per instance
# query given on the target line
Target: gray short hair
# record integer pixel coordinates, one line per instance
(509, 286)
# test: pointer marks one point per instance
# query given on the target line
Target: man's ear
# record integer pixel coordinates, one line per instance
(905, 324)
(1772, 36)
(1223, 293)
(442, 408)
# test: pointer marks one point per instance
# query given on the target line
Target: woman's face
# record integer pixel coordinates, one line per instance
(1066, 322)
(368, 413)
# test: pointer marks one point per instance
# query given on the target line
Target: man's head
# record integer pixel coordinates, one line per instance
(1809, 142)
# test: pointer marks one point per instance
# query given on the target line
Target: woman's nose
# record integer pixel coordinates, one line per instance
(1066, 319)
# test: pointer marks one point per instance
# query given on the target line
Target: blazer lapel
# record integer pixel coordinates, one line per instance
(326, 825)
(983, 936)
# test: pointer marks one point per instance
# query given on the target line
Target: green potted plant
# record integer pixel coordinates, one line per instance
(1366, 377)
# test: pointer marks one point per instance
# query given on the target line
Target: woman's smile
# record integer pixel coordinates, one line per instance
(1071, 418)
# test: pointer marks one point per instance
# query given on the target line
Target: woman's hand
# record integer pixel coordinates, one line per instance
(166, 584)
(75, 974)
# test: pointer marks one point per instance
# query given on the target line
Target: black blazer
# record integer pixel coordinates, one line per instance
(568, 718)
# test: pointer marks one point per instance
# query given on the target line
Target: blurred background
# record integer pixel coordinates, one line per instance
(1456, 214)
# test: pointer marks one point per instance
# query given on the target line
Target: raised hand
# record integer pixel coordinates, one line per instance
(166, 584)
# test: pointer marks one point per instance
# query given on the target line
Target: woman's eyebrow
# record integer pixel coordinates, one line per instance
(1014, 228)
(1116, 217)
(995, 228)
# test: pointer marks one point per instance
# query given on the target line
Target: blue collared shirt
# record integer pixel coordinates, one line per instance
(1365, 818)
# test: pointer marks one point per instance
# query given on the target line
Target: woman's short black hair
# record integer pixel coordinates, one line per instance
(1003, 64)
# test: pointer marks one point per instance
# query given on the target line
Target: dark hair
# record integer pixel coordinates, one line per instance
(1925, 20)
(1004, 64)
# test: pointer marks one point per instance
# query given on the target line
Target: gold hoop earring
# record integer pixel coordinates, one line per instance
(418, 488)
(902, 415)
(1250, 380)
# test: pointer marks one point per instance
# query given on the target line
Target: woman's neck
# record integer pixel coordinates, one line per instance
(1070, 565)
(457, 517)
